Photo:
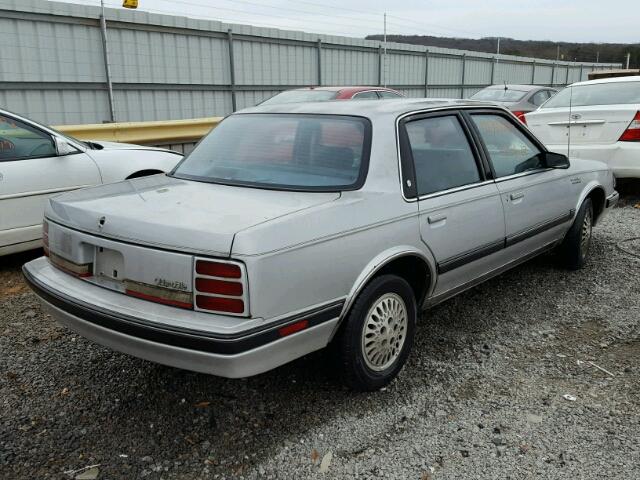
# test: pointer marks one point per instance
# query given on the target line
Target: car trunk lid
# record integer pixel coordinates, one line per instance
(599, 124)
(169, 213)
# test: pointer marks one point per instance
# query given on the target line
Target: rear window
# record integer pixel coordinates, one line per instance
(499, 95)
(283, 151)
(293, 96)
(614, 93)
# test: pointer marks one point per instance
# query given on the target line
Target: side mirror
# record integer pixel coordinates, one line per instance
(555, 160)
(63, 147)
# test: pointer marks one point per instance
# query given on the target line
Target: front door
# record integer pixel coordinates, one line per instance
(538, 201)
(30, 172)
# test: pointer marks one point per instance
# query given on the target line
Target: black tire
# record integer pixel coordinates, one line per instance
(574, 249)
(356, 373)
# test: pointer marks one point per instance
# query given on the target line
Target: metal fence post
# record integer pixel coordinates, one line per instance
(426, 73)
(533, 73)
(566, 78)
(493, 71)
(319, 62)
(553, 74)
(232, 72)
(107, 68)
(379, 65)
(581, 66)
(464, 67)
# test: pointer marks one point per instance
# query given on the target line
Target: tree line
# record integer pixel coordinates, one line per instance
(566, 51)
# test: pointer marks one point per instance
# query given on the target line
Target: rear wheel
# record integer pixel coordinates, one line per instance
(574, 249)
(378, 333)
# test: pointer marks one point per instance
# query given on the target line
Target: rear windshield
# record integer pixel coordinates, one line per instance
(283, 151)
(499, 95)
(293, 96)
(614, 93)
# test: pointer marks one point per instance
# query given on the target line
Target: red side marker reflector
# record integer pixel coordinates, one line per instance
(215, 269)
(293, 328)
(220, 304)
(153, 298)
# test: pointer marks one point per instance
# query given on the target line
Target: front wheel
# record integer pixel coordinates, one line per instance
(574, 249)
(378, 333)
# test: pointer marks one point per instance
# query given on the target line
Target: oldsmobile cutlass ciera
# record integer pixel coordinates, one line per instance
(292, 227)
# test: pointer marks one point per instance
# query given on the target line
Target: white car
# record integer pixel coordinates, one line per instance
(37, 162)
(598, 120)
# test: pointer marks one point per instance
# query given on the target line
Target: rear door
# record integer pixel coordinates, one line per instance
(538, 202)
(461, 215)
(599, 114)
(30, 172)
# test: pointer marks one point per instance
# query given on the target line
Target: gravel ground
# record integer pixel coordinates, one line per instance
(481, 397)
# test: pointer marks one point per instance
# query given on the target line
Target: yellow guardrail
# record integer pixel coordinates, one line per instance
(144, 133)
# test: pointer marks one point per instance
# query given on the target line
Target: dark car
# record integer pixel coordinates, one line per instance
(520, 99)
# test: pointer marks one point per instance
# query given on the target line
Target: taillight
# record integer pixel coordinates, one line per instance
(45, 237)
(520, 116)
(632, 133)
(221, 287)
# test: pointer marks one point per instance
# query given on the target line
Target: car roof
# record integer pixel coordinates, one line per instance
(369, 108)
(346, 88)
(632, 78)
(523, 88)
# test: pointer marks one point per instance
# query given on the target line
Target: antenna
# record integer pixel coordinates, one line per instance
(569, 126)
(385, 51)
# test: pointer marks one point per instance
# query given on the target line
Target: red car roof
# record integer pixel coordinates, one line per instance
(350, 91)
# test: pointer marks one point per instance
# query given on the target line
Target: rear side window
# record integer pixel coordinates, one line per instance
(510, 150)
(441, 154)
(366, 96)
(614, 93)
(540, 97)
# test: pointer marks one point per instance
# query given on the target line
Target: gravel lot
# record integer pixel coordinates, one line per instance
(481, 397)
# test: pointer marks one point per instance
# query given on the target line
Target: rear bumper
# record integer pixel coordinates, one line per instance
(239, 355)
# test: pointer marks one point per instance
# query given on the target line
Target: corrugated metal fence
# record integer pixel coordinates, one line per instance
(166, 67)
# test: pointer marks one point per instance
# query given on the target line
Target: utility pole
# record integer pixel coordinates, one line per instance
(384, 84)
(558, 53)
(598, 56)
(628, 58)
(498, 51)
(107, 68)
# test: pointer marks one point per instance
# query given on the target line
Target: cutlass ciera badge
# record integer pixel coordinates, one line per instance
(173, 285)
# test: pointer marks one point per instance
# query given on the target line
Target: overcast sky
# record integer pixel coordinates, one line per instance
(557, 20)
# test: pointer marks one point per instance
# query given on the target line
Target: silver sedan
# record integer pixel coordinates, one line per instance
(519, 99)
(292, 227)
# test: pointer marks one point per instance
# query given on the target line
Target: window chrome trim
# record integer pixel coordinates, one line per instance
(523, 174)
(448, 191)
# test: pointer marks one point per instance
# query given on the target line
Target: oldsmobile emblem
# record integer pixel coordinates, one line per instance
(576, 116)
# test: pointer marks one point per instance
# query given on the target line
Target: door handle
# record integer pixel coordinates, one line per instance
(436, 218)
(516, 196)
